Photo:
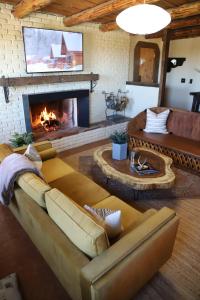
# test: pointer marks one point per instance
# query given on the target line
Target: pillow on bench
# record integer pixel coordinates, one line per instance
(156, 123)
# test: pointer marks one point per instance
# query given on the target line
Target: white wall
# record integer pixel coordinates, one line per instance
(177, 93)
(104, 53)
(140, 98)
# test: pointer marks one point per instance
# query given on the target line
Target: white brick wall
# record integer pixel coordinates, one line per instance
(104, 53)
(86, 137)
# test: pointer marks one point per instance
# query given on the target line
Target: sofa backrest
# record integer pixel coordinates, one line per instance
(76, 223)
(185, 124)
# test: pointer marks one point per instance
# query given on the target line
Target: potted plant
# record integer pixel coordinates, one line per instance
(119, 145)
(20, 139)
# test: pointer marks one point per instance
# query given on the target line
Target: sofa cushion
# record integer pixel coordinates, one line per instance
(34, 186)
(80, 188)
(76, 223)
(48, 154)
(5, 150)
(55, 168)
(172, 141)
(40, 146)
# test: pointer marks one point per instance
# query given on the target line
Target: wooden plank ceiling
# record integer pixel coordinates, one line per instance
(185, 14)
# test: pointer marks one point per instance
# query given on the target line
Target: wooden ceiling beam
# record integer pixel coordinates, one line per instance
(186, 10)
(101, 10)
(177, 24)
(182, 11)
(108, 26)
(25, 7)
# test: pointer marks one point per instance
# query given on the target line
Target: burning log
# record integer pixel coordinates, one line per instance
(51, 125)
(49, 121)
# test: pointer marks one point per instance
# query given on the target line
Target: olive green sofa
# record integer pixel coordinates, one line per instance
(77, 249)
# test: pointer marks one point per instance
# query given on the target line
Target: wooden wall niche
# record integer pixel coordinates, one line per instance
(146, 62)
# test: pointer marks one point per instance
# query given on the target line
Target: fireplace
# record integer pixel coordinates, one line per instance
(56, 114)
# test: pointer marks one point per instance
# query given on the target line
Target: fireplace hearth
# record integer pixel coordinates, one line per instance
(56, 114)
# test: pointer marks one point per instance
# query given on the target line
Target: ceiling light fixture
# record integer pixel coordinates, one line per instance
(143, 19)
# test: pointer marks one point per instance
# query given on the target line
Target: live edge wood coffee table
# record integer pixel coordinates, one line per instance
(120, 169)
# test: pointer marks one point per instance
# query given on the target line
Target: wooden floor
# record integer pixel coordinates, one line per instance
(178, 279)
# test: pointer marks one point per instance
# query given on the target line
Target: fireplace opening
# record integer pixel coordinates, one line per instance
(57, 114)
(54, 115)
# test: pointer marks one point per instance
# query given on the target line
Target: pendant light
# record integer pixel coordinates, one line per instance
(143, 19)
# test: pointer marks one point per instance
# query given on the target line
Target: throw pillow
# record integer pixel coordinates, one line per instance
(9, 288)
(156, 123)
(32, 154)
(109, 219)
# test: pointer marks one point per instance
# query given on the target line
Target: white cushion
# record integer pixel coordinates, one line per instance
(34, 156)
(109, 219)
(156, 123)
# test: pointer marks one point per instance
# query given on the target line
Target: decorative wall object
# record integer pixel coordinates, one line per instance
(146, 62)
(52, 50)
(174, 62)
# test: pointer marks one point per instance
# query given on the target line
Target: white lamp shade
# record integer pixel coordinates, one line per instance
(143, 19)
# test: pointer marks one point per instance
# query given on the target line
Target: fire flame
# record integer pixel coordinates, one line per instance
(49, 120)
(45, 116)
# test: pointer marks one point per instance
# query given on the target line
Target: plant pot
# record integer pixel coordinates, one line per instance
(119, 151)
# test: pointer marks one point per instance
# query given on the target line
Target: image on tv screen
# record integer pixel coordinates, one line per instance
(52, 50)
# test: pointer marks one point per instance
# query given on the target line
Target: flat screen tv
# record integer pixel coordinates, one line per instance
(52, 50)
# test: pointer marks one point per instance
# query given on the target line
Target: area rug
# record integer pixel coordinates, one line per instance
(187, 184)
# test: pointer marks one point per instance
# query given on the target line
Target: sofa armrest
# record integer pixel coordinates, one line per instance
(120, 271)
(5, 150)
(41, 146)
(137, 123)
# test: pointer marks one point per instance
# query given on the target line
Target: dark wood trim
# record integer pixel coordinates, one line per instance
(188, 24)
(196, 101)
(142, 83)
(164, 62)
(185, 33)
(35, 80)
(156, 49)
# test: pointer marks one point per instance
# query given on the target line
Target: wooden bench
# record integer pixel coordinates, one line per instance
(182, 143)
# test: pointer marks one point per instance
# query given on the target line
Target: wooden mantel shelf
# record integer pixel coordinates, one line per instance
(36, 80)
(21, 81)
